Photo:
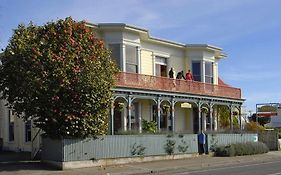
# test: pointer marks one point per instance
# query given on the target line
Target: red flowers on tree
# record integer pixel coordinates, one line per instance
(52, 75)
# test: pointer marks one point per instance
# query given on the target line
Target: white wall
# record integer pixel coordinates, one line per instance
(19, 143)
(183, 119)
(175, 56)
(276, 120)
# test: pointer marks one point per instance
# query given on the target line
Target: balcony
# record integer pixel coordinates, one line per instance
(148, 82)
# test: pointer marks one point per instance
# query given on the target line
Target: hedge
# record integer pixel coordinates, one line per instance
(241, 149)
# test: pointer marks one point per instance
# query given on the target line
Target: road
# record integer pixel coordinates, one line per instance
(272, 167)
(263, 164)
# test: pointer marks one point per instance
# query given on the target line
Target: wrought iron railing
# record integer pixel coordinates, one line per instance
(141, 81)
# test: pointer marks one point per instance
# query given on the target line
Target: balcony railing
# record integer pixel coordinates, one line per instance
(149, 82)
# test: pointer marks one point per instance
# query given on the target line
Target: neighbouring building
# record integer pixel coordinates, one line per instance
(143, 90)
(275, 121)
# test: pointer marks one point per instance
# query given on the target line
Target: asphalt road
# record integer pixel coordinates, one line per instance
(263, 164)
(272, 167)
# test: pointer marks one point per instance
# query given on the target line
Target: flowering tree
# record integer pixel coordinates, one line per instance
(60, 75)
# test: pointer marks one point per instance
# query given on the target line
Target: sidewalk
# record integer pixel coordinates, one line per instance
(195, 163)
(9, 156)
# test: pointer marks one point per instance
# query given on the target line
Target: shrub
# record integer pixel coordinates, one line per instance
(241, 149)
(170, 146)
(225, 151)
(149, 126)
(253, 126)
(279, 135)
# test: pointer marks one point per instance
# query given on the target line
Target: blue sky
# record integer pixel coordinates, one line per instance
(249, 31)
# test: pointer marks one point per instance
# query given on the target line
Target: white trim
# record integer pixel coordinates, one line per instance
(161, 54)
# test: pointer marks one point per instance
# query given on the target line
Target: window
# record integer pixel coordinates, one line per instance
(209, 72)
(196, 70)
(28, 131)
(115, 53)
(134, 116)
(131, 59)
(11, 126)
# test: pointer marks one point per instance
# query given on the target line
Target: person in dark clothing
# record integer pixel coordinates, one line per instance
(180, 75)
(172, 73)
(202, 143)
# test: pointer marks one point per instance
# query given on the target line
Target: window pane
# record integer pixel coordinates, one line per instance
(158, 70)
(209, 79)
(196, 71)
(209, 72)
(28, 131)
(131, 68)
(115, 53)
(208, 69)
(11, 126)
(131, 54)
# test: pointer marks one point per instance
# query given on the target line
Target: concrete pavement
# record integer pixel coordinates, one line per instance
(156, 167)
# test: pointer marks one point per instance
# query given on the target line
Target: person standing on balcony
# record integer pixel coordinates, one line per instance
(172, 73)
(180, 75)
(189, 76)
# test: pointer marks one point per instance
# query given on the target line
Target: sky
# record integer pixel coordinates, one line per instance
(249, 31)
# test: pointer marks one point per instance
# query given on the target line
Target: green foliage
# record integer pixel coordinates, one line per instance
(204, 109)
(279, 135)
(225, 151)
(166, 108)
(253, 127)
(183, 146)
(213, 142)
(61, 76)
(137, 150)
(224, 113)
(120, 106)
(264, 120)
(261, 120)
(224, 116)
(241, 149)
(149, 126)
(170, 146)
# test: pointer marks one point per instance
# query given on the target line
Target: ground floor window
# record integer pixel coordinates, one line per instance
(11, 126)
(165, 117)
(28, 131)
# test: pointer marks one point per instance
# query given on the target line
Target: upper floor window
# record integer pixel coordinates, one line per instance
(196, 70)
(131, 59)
(209, 78)
(115, 53)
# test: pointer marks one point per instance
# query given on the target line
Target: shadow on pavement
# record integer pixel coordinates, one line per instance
(16, 161)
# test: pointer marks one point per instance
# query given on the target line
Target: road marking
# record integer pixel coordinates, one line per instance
(240, 166)
(274, 174)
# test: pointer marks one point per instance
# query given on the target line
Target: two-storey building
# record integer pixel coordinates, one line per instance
(144, 91)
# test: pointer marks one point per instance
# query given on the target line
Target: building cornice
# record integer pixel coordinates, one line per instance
(144, 34)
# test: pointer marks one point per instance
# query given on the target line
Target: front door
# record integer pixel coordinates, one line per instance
(161, 70)
(117, 120)
(195, 120)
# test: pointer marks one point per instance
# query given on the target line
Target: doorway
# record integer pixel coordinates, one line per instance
(161, 66)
